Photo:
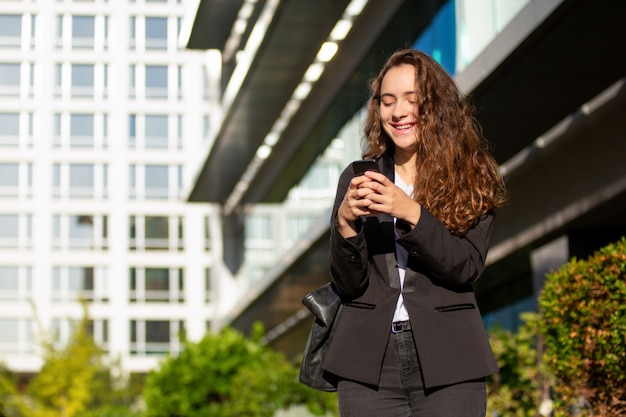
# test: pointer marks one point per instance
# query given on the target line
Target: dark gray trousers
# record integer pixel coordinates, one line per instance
(401, 392)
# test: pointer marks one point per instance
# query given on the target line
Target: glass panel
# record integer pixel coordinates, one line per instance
(81, 130)
(82, 80)
(157, 284)
(81, 282)
(132, 181)
(156, 33)
(81, 232)
(157, 232)
(9, 283)
(9, 129)
(8, 334)
(9, 180)
(157, 332)
(10, 79)
(133, 32)
(258, 230)
(83, 31)
(81, 180)
(156, 131)
(132, 131)
(10, 30)
(9, 229)
(156, 181)
(156, 81)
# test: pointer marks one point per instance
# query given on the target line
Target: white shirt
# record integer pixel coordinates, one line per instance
(402, 256)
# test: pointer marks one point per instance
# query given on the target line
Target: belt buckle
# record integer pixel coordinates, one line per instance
(398, 327)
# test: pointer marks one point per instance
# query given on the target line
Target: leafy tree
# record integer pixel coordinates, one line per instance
(75, 381)
(226, 374)
(584, 326)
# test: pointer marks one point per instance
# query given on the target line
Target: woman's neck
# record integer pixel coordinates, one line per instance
(404, 164)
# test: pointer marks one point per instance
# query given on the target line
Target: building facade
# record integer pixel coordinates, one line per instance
(98, 118)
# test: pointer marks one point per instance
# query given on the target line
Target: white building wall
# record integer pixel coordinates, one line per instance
(37, 257)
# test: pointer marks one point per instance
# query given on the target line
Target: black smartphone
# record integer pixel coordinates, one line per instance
(363, 165)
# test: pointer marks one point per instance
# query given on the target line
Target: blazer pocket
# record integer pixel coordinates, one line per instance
(358, 304)
(455, 307)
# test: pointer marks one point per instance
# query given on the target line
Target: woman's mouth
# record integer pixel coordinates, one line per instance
(404, 126)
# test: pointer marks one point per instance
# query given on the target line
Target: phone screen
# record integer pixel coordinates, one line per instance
(363, 165)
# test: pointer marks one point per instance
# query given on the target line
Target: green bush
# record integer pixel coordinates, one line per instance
(226, 374)
(515, 390)
(584, 327)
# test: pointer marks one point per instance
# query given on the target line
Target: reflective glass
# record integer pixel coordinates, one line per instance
(156, 181)
(156, 81)
(82, 80)
(156, 33)
(156, 131)
(10, 30)
(83, 31)
(81, 130)
(9, 79)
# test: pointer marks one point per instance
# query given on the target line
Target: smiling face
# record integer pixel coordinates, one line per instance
(398, 107)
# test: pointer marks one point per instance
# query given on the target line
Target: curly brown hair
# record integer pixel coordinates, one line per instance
(456, 179)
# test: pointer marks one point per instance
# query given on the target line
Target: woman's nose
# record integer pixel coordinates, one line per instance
(401, 110)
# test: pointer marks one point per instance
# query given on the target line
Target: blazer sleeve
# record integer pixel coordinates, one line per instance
(348, 257)
(456, 260)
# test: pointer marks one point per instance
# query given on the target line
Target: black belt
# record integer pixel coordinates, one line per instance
(400, 326)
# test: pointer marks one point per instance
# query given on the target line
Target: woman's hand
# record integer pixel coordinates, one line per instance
(384, 196)
(373, 193)
(355, 204)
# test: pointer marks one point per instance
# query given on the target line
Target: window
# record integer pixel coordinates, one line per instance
(297, 225)
(207, 233)
(132, 33)
(9, 180)
(81, 130)
(80, 180)
(149, 337)
(63, 330)
(15, 231)
(156, 82)
(10, 31)
(80, 232)
(9, 129)
(156, 233)
(153, 181)
(156, 181)
(152, 131)
(83, 32)
(207, 285)
(15, 283)
(16, 180)
(156, 284)
(156, 131)
(72, 283)
(9, 80)
(258, 231)
(82, 80)
(132, 130)
(156, 33)
(106, 32)
(84, 130)
(15, 335)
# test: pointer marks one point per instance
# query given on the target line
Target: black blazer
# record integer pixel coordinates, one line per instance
(451, 340)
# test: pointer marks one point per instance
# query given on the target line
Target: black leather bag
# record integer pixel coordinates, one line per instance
(325, 304)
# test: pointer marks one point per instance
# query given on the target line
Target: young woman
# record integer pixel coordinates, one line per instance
(407, 243)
